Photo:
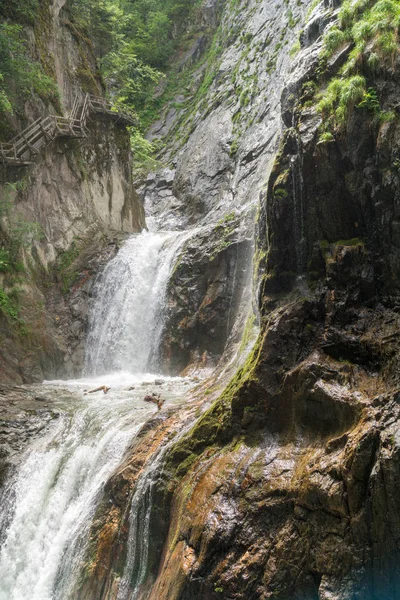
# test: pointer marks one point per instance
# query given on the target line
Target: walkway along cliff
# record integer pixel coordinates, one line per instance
(21, 150)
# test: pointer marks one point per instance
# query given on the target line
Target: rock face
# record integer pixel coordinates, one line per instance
(220, 145)
(207, 291)
(26, 413)
(79, 194)
(286, 487)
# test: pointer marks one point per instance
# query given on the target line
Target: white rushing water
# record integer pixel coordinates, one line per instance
(56, 488)
(127, 321)
(48, 507)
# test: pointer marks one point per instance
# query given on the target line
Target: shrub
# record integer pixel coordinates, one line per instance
(370, 100)
(326, 137)
(340, 97)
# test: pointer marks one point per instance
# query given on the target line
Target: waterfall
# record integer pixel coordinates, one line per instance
(127, 319)
(55, 495)
(49, 505)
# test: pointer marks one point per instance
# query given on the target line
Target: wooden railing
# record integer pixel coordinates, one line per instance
(26, 145)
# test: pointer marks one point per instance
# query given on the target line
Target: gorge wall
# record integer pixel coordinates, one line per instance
(72, 205)
(286, 486)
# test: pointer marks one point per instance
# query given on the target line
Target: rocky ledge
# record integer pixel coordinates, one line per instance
(26, 413)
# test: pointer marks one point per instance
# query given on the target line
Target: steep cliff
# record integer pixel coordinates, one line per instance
(220, 133)
(286, 486)
(63, 211)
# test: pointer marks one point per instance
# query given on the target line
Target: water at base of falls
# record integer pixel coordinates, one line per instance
(53, 497)
(48, 506)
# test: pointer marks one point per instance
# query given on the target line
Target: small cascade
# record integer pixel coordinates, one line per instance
(298, 205)
(127, 318)
(136, 576)
(54, 496)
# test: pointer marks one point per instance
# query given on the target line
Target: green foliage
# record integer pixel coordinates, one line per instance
(23, 11)
(132, 80)
(326, 137)
(5, 104)
(233, 148)
(68, 257)
(8, 263)
(144, 151)
(370, 101)
(371, 27)
(65, 267)
(20, 76)
(295, 49)
(8, 306)
(341, 95)
(333, 39)
(144, 31)
(227, 219)
(134, 41)
(20, 233)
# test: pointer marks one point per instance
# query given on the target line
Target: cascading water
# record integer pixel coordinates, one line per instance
(49, 505)
(127, 320)
(53, 497)
(55, 492)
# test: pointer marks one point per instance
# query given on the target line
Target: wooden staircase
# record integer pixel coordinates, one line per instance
(23, 148)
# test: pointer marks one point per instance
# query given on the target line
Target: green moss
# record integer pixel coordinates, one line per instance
(224, 231)
(88, 74)
(280, 192)
(353, 242)
(248, 332)
(325, 246)
(9, 306)
(215, 427)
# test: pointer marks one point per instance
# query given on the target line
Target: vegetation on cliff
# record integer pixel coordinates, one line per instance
(134, 42)
(22, 72)
(369, 32)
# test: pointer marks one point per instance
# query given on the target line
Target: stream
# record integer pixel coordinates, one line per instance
(48, 505)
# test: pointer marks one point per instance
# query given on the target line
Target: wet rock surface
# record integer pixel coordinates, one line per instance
(219, 146)
(287, 486)
(26, 413)
(70, 308)
(207, 290)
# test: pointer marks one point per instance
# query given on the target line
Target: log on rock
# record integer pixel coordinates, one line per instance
(103, 388)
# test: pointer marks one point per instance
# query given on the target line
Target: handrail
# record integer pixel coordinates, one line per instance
(25, 145)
